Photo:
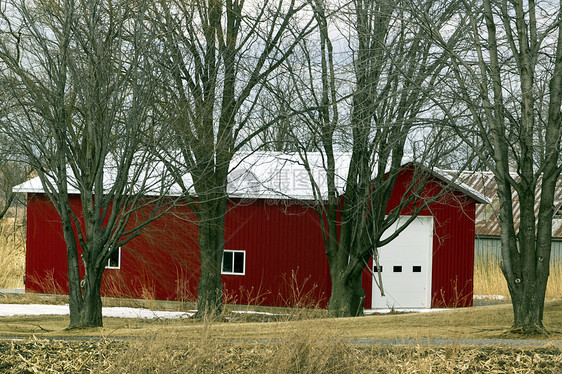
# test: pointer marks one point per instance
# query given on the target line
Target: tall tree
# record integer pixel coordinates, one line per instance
(83, 87)
(387, 113)
(12, 170)
(217, 56)
(508, 77)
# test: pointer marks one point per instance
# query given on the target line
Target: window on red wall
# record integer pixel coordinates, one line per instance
(233, 262)
(114, 261)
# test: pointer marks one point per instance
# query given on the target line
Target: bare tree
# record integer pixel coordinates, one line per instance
(83, 87)
(508, 78)
(217, 56)
(378, 109)
(12, 170)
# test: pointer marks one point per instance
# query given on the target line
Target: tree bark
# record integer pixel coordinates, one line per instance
(514, 141)
(90, 314)
(347, 297)
(211, 247)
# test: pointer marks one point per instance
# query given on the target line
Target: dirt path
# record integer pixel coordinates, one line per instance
(444, 342)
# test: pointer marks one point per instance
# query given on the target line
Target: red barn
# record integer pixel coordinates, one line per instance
(274, 252)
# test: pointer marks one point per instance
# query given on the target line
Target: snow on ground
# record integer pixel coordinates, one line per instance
(255, 312)
(489, 297)
(403, 310)
(7, 310)
(120, 312)
(39, 309)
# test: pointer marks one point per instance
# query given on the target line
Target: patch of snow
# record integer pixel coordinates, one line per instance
(120, 312)
(7, 310)
(489, 297)
(403, 310)
(12, 291)
(254, 312)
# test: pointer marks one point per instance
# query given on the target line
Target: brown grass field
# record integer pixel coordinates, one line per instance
(300, 341)
(12, 252)
(489, 280)
(295, 341)
(290, 341)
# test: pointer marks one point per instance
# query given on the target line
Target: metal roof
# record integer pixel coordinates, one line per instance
(487, 215)
(273, 175)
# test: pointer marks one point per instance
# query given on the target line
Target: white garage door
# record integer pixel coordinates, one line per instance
(406, 267)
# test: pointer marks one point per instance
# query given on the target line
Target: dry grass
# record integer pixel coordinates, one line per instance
(323, 352)
(305, 354)
(490, 322)
(489, 280)
(297, 341)
(12, 252)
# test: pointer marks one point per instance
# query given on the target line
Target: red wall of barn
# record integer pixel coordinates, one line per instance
(285, 262)
(45, 262)
(453, 243)
(158, 264)
(285, 256)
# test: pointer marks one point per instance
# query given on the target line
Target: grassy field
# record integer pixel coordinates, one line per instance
(293, 341)
(287, 341)
(489, 280)
(12, 252)
(487, 322)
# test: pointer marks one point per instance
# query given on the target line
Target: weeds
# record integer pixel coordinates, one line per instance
(489, 280)
(12, 252)
(170, 355)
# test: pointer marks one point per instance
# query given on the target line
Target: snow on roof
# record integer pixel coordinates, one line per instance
(150, 177)
(276, 175)
(273, 175)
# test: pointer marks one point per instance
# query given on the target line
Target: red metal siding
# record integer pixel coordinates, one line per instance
(453, 243)
(45, 263)
(285, 256)
(161, 263)
(158, 264)
(453, 256)
(285, 261)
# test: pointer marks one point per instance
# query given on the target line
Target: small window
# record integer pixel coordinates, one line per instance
(114, 261)
(416, 269)
(233, 262)
(377, 270)
(397, 268)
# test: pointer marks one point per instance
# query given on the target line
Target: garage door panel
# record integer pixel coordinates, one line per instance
(406, 267)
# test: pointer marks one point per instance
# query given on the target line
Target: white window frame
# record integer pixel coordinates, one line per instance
(243, 264)
(109, 267)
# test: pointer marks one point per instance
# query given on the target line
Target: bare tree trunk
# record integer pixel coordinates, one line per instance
(347, 298)
(90, 314)
(84, 92)
(217, 57)
(211, 246)
(391, 64)
(516, 120)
